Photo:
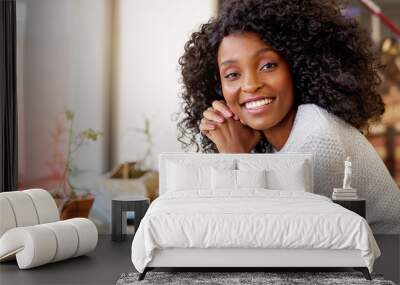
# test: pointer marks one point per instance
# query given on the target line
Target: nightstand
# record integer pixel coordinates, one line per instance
(120, 206)
(355, 205)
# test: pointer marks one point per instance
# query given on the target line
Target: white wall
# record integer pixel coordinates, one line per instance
(64, 49)
(63, 60)
(152, 37)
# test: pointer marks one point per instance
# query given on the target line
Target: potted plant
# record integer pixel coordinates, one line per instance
(142, 168)
(70, 203)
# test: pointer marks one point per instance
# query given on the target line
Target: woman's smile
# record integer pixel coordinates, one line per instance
(258, 106)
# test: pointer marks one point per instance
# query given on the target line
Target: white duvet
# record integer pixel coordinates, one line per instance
(253, 218)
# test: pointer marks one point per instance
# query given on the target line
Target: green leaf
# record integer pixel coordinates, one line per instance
(91, 134)
(69, 114)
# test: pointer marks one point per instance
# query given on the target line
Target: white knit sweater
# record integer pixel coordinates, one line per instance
(331, 140)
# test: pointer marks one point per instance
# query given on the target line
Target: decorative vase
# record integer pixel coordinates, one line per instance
(77, 207)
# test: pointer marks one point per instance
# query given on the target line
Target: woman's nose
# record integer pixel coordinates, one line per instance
(251, 83)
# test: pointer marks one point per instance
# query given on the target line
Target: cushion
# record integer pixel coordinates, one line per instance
(187, 177)
(251, 178)
(45, 205)
(223, 179)
(87, 233)
(67, 240)
(283, 174)
(7, 220)
(187, 174)
(23, 208)
(227, 179)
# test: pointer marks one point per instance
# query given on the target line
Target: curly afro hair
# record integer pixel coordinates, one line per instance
(331, 60)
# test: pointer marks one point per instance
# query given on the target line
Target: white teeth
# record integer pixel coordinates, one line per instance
(258, 103)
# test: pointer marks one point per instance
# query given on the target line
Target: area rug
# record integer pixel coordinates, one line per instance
(269, 278)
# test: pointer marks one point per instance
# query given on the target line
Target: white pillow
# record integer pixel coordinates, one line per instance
(223, 179)
(187, 177)
(282, 174)
(184, 174)
(293, 178)
(251, 178)
(228, 179)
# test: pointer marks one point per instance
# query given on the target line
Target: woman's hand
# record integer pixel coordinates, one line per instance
(227, 131)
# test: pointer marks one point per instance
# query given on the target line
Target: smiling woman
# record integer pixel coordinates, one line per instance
(289, 76)
(325, 57)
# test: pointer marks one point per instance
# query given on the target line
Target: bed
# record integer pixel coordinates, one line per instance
(245, 211)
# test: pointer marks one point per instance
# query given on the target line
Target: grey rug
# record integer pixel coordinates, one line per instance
(270, 278)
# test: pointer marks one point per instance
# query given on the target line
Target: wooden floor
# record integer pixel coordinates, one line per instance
(111, 259)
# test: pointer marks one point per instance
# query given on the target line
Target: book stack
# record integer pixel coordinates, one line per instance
(344, 194)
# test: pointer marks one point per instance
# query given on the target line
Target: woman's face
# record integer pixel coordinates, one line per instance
(249, 69)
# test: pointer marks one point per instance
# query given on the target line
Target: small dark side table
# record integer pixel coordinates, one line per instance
(356, 205)
(119, 207)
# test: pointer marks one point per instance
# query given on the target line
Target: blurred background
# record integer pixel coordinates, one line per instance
(98, 85)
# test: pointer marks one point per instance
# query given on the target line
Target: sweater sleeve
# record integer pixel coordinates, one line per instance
(328, 159)
(370, 176)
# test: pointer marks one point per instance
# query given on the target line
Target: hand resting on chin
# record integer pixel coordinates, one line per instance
(227, 130)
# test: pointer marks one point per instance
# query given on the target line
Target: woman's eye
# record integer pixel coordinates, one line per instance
(231, 75)
(269, 65)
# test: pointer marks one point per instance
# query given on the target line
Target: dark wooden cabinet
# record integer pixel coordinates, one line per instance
(357, 206)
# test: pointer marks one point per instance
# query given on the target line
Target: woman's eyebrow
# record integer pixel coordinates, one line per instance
(264, 49)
